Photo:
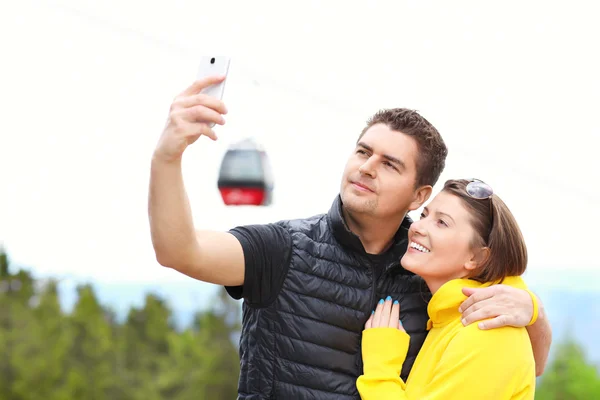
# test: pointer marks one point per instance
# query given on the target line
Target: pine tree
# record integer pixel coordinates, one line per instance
(146, 349)
(41, 360)
(91, 373)
(570, 375)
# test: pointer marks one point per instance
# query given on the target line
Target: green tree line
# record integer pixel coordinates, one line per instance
(570, 376)
(46, 353)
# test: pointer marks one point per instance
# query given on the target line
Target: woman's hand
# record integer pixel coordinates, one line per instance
(386, 315)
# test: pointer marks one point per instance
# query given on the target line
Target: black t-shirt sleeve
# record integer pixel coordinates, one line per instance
(267, 251)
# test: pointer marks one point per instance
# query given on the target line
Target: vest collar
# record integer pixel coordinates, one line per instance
(348, 239)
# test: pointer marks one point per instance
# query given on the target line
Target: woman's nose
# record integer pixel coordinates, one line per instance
(418, 227)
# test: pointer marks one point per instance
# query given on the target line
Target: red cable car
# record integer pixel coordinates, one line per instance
(245, 176)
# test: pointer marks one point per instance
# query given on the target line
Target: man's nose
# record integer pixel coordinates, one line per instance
(368, 168)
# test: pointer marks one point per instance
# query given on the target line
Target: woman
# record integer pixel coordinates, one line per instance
(466, 237)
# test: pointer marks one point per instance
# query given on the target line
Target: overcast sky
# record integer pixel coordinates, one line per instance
(85, 89)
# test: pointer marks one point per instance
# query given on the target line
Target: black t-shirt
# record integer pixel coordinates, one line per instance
(267, 251)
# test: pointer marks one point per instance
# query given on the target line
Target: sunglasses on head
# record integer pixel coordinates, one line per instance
(478, 189)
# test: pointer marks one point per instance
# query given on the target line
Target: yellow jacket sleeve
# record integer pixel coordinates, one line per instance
(384, 351)
(476, 365)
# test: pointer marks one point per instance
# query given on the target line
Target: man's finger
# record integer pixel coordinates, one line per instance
(475, 296)
(208, 132)
(484, 313)
(201, 99)
(498, 322)
(478, 306)
(395, 315)
(203, 114)
(202, 83)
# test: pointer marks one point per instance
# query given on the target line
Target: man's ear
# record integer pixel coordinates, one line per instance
(421, 195)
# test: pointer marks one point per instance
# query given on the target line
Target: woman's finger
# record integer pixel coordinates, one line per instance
(400, 327)
(377, 316)
(394, 315)
(384, 322)
(368, 324)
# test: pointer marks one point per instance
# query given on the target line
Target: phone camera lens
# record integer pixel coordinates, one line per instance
(212, 60)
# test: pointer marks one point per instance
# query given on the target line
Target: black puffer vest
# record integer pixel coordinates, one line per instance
(307, 343)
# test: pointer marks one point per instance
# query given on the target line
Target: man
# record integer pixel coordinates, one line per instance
(309, 285)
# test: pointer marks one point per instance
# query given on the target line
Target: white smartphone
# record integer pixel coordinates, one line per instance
(214, 65)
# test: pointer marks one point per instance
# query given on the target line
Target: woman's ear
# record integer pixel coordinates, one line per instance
(477, 259)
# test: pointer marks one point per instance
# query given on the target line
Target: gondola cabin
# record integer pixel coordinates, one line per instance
(245, 176)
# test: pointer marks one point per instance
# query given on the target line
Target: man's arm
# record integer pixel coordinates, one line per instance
(503, 305)
(209, 256)
(215, 257)
(540, 334)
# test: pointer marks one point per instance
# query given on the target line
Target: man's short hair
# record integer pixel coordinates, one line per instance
(431, 159)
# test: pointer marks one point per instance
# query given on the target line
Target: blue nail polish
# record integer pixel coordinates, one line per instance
(372, 312)
(388, 298)
(395, 301)
(400, 322)
(380, 301)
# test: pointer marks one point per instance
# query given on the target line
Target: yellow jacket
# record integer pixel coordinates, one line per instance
(455, 362)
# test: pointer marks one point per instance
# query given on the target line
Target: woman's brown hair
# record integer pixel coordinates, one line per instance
(495, 228)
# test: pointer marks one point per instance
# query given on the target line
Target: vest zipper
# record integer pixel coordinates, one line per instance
(373, 296)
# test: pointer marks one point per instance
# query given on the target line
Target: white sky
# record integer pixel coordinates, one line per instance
(86, 86)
